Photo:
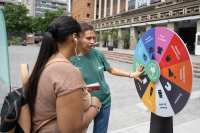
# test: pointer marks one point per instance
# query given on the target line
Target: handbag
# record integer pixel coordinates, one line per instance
(15, 112)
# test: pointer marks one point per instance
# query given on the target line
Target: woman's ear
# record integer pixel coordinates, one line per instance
(74, 38)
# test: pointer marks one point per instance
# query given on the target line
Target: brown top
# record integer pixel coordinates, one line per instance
(57, 79)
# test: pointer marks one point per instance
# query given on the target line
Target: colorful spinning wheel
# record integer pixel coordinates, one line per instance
(167, 81)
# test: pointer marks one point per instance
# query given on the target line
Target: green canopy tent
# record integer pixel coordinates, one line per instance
(4, 58)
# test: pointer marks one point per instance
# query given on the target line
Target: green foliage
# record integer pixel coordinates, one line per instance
(97, 37)
(16, 40)
(116, 39)
(10, 42)
(140, 35)
(111, 32)
(40, 23)
(104, 37)
(16, 18)
(126, 38)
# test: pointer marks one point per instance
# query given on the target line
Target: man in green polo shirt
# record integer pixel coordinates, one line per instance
(92, 63)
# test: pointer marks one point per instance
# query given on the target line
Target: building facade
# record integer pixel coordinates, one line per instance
(52, 5)
(28, 3)
(37, 7)
(83, 10)
(181, 16)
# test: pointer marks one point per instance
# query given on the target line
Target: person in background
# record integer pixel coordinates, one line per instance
(59, 89)
(92, 63)
(107, 43)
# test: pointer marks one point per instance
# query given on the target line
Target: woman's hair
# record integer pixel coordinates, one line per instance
(57, 32)
(85, 27)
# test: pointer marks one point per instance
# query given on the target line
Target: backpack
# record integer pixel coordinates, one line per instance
(15, 112)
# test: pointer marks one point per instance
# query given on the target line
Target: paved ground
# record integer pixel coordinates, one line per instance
(194, 58)
(128, 114)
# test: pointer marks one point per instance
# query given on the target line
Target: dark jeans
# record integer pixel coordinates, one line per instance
(101, 121)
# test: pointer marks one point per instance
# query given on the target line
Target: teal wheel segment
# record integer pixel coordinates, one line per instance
(141, 53)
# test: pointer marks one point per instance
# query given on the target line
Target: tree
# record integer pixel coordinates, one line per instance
(103, 38)
(126, 37)
(140, 34)
(40, 23)
(111, 32)
(16, 18)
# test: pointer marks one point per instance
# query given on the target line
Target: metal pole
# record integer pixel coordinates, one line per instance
(161, 124)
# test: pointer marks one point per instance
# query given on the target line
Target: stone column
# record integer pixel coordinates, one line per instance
(118, 6)
(95, 9)
(148, 2)
(134, 34)
(101, 42)
(198, 25)
(173, 26)
(105, 8)
(136, 4)
(149, 27)
(121, 43)
(99, 9)
(126, 9)
(111, 7)
(162, 0)
(110, 40)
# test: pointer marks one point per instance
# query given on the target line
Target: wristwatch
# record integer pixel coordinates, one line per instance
(98, 110)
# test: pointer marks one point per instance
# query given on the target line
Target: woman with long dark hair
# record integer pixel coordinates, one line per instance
(59, 90)
(92, 63)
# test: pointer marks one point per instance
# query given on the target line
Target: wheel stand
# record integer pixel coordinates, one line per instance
(161, 124)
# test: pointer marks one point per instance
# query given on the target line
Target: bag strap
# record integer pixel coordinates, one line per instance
(24, 73)
(48, 63)
(44, 122)
(25, 70)
(56, 60)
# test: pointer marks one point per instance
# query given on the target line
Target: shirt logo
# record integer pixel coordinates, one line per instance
(100, 67)
(79, 68)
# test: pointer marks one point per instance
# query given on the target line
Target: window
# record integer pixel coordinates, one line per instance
(88, 4)
(108, 3)
(97, 6)
(198, 41)
(75, 17)
(96, 16)
(131, 4)
(88, 15)
(78, 16)
(27, 1)
(115, 2)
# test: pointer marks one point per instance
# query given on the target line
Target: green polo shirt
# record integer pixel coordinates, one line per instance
(92, 66)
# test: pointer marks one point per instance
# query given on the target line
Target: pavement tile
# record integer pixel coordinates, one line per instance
(190, 127)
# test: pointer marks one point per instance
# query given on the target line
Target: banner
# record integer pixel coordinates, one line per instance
(4, 58)
(131, 4)
(142, 3)
(154, 1)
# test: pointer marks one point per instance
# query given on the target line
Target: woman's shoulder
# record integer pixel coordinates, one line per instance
(62, 68)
